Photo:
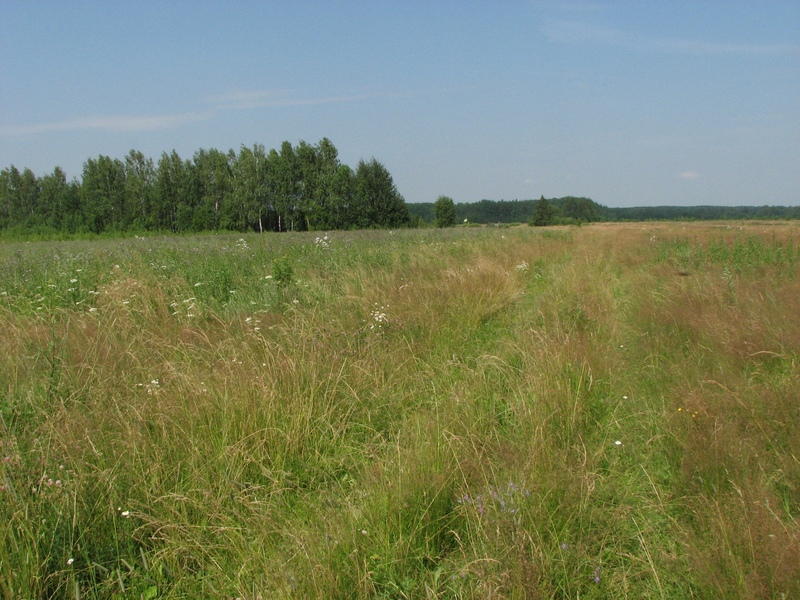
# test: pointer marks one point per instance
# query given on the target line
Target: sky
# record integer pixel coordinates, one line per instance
(632, 103)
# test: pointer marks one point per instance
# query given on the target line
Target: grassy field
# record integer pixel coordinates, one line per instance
(610, 411)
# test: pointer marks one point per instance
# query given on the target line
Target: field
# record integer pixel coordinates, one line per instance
(610, 411)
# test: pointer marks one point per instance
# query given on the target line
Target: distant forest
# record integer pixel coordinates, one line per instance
(296, 188)
(303, 187)
(575, 210)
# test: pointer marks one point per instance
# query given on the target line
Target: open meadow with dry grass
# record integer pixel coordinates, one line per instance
(609, 411)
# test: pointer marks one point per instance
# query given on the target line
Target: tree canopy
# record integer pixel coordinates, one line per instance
(302, 187)
(543, 213)
(445, 212)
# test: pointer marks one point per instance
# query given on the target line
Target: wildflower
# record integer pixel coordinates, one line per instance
(198, 284)
(618, 443)
(126, 513)
(70, 560)
(73, 281)
(363, 532)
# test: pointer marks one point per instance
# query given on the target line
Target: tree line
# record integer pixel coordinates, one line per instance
(302, 187)
(702, 213)
(572, 210)
(566, 210)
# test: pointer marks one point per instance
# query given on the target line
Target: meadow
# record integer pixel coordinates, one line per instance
(607, 411)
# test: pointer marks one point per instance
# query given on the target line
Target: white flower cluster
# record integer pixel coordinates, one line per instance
(378, 317)
(152, 388)
(322, 242)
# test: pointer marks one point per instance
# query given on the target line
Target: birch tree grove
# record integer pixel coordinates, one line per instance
(302, 187)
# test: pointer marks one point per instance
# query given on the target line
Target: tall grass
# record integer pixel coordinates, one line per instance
(607, 411)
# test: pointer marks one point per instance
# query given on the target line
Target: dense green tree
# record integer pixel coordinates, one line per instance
(5, 198)
(171, 193)
(140, 177)
(377, 201)
(445, 212)
(543, 213)
(581, 209)
(210, 195)
(286, 185)
(310, 203)
(342, 193)
(103, 195)
(12, 213)
(252, 190)
(53, 199)
(319, 167)
(29, 191)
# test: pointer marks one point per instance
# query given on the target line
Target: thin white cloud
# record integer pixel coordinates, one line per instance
(689, 175)
(108, 123)
(578, 32)
(240, 100)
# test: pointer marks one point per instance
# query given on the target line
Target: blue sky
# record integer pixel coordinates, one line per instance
(629, 103)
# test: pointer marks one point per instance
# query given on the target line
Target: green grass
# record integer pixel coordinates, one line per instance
(600, 412)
